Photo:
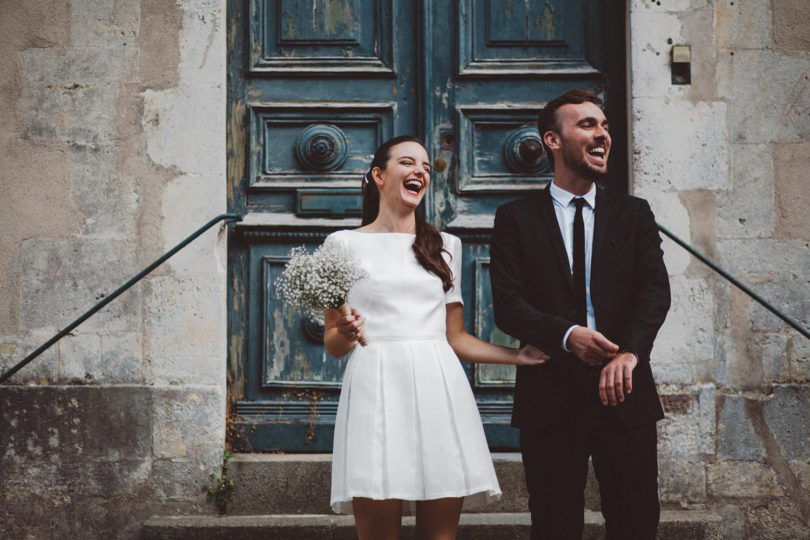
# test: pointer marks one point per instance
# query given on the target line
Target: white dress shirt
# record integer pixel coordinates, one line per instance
(565, 210)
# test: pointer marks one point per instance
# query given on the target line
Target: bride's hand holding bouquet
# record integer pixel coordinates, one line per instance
(321, 280)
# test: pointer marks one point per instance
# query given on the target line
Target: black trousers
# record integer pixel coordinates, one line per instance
(625, 460)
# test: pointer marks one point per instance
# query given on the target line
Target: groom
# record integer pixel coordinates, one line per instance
(578, 272)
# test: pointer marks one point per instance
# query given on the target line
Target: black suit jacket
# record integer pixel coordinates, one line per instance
(533, 298)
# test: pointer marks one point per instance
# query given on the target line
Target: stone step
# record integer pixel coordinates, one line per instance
(299, 484)
(674, 525)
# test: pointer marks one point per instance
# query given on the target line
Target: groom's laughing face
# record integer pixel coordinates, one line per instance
(584, 139)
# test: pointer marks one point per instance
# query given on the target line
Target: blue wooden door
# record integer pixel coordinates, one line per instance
(314, 86)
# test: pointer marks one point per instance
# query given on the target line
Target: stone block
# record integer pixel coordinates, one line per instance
(281, 484)
(791, 25)
(760, 260)
(88, 517)
(702, 207)
(180, 121)
(108, 202)
(699, 24)
(742, 479)
(684, 348)
(65, 278)
(799, 352)
(791, 163)
(184, 340)
(681, 481)
(179, 370)
(723, 303)
(738, 362)
(72, 94)
(775, 361)
(79, 358)
(36, 23)
(104, 478)
(724, 64)
(679, 145)
(639, 7)
(188, 202)
(183, 479)
(688, 431)
(788, 295)
(801, 468)
(770, 98)
(787, 416)
(733, 521)
(679, 432)
(36, 203)
(42, 369)
(187, 421)
(671, 213)
(649, 32)
(122, 359)
(736, 438)
(775, 519)
(743, 25)
(102, 24)
(75, 439)
(707, 418)
(158, 43)
(202, 51)
(746, 209)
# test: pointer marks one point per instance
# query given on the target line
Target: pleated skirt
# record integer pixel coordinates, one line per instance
(408, 428)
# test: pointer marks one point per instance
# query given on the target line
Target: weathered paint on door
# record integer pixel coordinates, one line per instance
(314, 86)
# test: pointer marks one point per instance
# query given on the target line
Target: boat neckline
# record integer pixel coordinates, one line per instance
(383, 232)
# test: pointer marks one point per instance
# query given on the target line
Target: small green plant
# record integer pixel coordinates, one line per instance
(220, 489)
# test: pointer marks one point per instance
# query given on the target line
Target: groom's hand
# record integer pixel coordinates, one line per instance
(616, 379)
(590, 346)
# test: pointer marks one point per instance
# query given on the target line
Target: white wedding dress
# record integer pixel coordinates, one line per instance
(407, 424)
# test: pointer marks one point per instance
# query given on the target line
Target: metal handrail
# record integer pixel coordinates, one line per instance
(236, 217)
(803, 331)
(112, 296)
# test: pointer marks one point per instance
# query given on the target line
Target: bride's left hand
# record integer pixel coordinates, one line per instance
(529, 355)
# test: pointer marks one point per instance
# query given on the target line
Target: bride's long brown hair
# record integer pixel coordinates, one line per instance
(428, 245)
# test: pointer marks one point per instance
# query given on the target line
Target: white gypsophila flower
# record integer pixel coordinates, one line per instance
(319, 280)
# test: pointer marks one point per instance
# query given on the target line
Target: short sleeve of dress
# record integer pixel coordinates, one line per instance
(453, 257)
(336, 238)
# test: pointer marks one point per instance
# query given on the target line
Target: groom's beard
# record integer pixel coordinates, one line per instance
(576, 162)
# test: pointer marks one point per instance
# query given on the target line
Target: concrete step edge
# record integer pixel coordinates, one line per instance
(326, 458)
(468, 519)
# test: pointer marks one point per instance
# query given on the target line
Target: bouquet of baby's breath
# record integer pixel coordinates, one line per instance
(319, 280)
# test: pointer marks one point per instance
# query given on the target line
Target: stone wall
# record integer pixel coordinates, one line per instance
(112, 150)
(724, 162)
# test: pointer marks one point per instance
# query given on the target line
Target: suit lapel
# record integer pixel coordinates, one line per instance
(600, 227)
(555, 236)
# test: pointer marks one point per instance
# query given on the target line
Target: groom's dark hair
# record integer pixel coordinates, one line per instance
(548, 121)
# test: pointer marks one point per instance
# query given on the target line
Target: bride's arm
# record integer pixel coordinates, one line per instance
(471, 349)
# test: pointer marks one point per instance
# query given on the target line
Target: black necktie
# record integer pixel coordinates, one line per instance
(579, 264)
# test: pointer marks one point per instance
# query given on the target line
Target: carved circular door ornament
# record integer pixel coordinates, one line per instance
(313, 329)
(321, 147)
(523, 151)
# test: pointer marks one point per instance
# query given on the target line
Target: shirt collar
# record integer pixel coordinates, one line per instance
(564, 197)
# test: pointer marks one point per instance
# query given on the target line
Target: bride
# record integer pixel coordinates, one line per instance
(408, 436)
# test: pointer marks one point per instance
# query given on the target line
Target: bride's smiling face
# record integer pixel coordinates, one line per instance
(406, 176)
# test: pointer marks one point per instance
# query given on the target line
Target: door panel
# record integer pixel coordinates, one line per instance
(321, 36)
(314, 87)
(500, 38)
(315, 144)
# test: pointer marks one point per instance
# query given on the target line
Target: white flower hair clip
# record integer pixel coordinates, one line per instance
(365, 175)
